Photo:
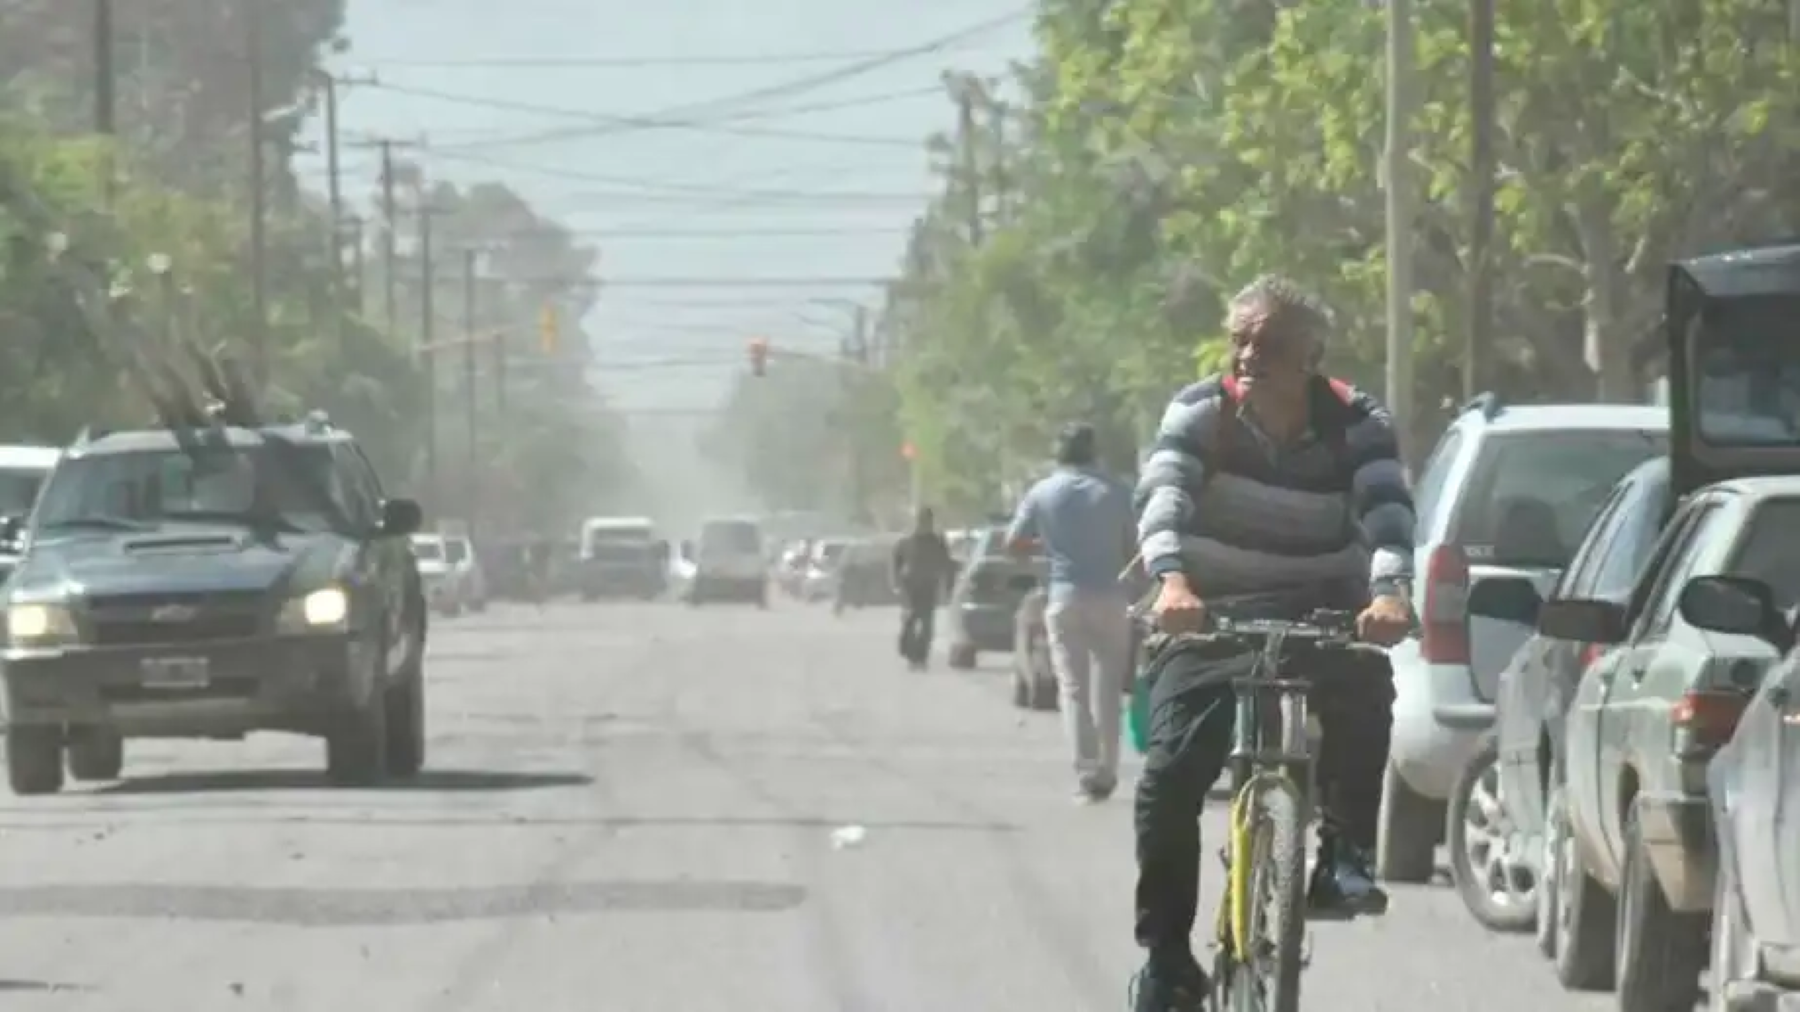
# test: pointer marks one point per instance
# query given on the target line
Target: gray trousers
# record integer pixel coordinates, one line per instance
(1090, 651)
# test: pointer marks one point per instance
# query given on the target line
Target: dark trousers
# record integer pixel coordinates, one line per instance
(1192, 713)
(918, 614)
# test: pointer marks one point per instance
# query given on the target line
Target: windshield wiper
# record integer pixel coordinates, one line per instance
(96, 523)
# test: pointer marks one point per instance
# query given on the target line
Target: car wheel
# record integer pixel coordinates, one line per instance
(34, 759)
(1732, 959)
(405, 713)
(1491, 871)
(96, 753)
(962, 656)
(1660, 951)
(356, 748)
(1410, 824)
(1585, 912)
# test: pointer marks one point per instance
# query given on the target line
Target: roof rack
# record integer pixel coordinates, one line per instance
(1487, 402)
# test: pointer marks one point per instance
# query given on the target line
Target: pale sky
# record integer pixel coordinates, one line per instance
(600, 59)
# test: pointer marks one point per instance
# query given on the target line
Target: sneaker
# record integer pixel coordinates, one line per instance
(1343, 883)
(1181, 987)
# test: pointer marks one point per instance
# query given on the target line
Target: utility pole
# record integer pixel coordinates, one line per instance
(427, 322)
(859, 354)
(1398, 167)
(1481, 170)
(965, 136)
(105, 78)
(390, 248)
(106, 91)
(259, 280)
(471, 261)
(499, 339)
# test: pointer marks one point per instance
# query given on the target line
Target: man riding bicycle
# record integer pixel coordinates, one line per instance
(1281, 490)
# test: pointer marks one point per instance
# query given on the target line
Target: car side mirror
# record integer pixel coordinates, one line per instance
(401, 517)
(1737, 605)
(1508, 598)
(1582, 621)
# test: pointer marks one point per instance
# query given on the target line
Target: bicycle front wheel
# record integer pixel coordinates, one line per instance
(1276, 900)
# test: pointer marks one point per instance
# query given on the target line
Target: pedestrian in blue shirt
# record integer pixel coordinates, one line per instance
(1084, 522)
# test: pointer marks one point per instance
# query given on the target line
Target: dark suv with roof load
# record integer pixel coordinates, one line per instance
(207, 584)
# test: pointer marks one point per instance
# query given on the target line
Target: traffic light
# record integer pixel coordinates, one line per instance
(547, 329)
(759, 356)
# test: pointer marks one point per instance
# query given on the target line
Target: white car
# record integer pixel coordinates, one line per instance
(443, 583)
(471, 582)
(1507, 493)
(729, 563)
(819, 578)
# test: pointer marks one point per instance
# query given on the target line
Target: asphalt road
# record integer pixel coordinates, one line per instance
(632, 808)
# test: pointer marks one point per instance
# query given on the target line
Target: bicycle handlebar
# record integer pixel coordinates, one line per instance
(1321, 624)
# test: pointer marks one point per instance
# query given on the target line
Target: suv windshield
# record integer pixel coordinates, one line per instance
(18, 490)
(730, 537)
(1748, 383)
(237, 484)
(1533, 494)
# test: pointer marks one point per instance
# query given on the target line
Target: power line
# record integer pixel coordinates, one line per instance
(716, 124)
(606, 124)
(806, 83)
(678, 234)
(564, 63)
(671, 189)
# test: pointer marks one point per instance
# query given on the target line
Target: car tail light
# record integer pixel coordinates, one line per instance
(1702, 720)
(1590, 654)
(1444, 626)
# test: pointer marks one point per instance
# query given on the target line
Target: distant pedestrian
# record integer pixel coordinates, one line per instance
(1083, 521)
(922, 572)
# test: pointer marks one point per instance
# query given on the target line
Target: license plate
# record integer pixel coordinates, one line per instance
(175, 673)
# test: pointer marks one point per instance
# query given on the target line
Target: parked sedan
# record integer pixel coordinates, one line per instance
(1754, 787)
(986, 597)
(1632, 875)
(1495, 826)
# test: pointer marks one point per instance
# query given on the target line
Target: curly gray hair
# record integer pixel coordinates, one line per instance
(1273, 303)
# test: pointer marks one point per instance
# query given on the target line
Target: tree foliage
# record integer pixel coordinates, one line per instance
(1163, 152)
(541, 454)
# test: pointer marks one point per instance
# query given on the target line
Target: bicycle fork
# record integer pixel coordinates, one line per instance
(1256, 769)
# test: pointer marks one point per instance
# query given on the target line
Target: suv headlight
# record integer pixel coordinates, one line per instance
(39, 624)
(323, 610)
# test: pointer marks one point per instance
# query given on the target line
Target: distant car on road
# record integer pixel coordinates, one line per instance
(459, 553)
(728, 563)
(985, 599)
(622, 556)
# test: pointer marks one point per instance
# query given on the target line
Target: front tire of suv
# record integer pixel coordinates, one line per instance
(356, 747)
(96, 754)
(34, 759)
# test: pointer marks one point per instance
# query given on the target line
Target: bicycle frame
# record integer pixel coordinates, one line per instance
(1252, 763)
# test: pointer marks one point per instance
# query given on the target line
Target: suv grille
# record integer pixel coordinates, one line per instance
(145, 620)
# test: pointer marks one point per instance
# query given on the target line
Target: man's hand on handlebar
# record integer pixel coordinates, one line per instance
(1178, 609)
(1386, 621)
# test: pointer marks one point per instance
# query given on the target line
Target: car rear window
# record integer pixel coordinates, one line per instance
(431, 551)
(1770, 550)
(1531, 495)
(730, 537)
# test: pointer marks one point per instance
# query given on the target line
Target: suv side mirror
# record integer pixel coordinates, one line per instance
(1735, 604)
(401, 517)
